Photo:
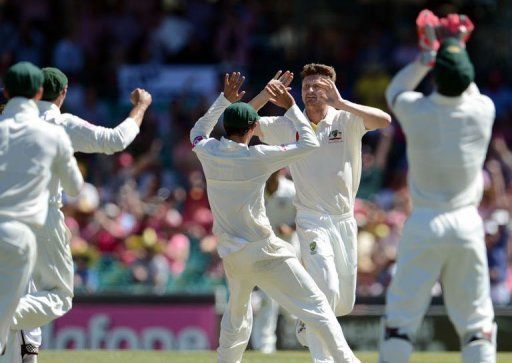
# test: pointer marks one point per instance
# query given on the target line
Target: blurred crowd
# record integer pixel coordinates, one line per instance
(142, 224)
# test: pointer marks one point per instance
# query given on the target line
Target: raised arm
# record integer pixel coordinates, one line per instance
(277, 157)
(263, 97)
(89, 138)
(65, 166)
(406, 81)
(205, 125)
(410, 77)
(372, 117)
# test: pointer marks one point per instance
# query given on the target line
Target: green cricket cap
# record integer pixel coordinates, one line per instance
(54, 82)
(453, 71)
(240, 115)
(23, 80)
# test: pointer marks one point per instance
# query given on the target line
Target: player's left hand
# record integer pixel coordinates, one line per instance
(332, 95)
(285, 78)
(232, 84)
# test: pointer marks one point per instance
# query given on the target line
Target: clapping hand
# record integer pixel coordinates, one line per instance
(279, 95)
(232, 84)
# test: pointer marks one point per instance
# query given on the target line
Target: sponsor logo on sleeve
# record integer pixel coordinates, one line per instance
(197, 139)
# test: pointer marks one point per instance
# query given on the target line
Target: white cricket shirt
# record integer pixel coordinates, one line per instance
(447, 140)
(279, 206)
(86, 137)
(326, 180)
(31, 151)
(236, 176)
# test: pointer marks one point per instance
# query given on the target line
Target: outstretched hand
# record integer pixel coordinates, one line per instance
(285, 78)
(232, 84)
(332, 95)
(279, 95)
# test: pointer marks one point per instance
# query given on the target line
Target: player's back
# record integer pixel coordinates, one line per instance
(446, 147)
(236, 179)
(28, 149)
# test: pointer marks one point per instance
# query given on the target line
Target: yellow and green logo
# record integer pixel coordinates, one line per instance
(312, 248)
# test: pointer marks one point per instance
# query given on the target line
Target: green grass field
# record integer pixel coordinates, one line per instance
(91, 356)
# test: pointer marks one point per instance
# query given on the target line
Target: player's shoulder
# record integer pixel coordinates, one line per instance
(47, 134)
(275, 120)
(408, 98)
(56, 134)
(485, 100)
(205, 144)
(341, 116)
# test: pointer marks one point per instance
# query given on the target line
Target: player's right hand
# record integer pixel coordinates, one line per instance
(279, 95)
(232, 84)
(285, 78)
(140, 97)
(426, 24)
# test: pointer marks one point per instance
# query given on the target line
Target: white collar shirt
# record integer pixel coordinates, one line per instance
(86, 137)
(30, 152)
(327, 179)
(447, 140)
(236, 175)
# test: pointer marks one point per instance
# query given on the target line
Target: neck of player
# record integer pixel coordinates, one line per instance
(316, 113)
(241, 139)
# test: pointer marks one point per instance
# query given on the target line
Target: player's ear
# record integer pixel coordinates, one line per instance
(39, 94)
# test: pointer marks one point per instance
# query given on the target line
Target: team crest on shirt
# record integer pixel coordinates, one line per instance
(312, 248)
(335, 136)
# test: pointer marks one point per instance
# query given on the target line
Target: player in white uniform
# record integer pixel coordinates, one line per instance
(53, 272)
(252, 254)
(447, 137)
(279, 194)
(326, 182)
(31, 152)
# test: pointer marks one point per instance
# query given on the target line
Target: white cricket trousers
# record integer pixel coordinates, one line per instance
(17, 258)
(329, 253)
(264, 336)
(449, 246)
(52, 276)
(272, 266)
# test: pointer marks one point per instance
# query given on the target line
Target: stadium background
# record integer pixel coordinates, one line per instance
(142, 228)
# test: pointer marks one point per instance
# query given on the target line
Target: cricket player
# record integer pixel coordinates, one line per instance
(279, 194)
(31, 152)
(252, 254)
(326, 182)
(53, 273)
(447, 137)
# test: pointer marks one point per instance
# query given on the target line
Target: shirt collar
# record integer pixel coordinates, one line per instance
(45, 106)
(328, 119)
(17, 105)
(228, 144)
(445, 100)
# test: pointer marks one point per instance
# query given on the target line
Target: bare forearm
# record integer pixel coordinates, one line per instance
(373, 118)
(260, 100)
(137, 113)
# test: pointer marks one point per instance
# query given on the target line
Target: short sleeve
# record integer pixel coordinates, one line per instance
(354, 125)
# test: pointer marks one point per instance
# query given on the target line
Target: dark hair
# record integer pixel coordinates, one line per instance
(313, 69)
(237, 131)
